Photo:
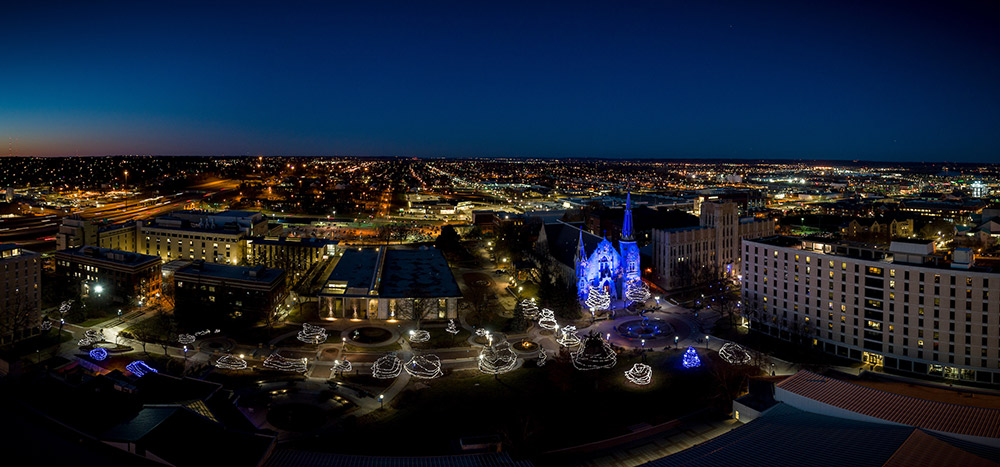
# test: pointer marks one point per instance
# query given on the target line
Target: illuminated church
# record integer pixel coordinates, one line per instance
(607, 268)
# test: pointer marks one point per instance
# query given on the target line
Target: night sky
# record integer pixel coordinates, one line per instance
(802, 79)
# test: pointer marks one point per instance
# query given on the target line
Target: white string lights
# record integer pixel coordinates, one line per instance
(482, 332)
(497, 358)
(547, 319)
(734, 354)
(637, 291)
(387, 366)
(139, 368)
(424, 366)
(452, 328)
(598, 299)
(594, 354)
(231, 362)
(568, 337)
(640, 374)
(46, 325)
(529, 308)
(91, 337)
(541, 357)
(341, 366)
(312, 334)
(295, 365)
(419, 335)
(186, 339)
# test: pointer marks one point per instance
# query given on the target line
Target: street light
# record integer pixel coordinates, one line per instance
(380, 398)
(707, 337)
(676, 338)
(185, 351)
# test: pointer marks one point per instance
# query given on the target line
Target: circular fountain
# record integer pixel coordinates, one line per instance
(644, 328)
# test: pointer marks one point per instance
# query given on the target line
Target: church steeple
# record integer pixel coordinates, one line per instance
(581, 253)
(627, 225)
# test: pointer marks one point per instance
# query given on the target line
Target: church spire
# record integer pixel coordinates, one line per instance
(581, 253)
(627, 225)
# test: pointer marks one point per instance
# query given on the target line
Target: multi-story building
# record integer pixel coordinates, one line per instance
(905, 308)
(75, 232)
(120, 276)
(682, 256)
(219, 295)
(197, 235)
(20, 295)
(293, 254)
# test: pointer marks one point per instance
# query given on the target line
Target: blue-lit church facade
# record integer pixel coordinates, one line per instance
(607, 268)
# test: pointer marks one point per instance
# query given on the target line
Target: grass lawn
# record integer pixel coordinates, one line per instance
(258, 334)
(31, 344)
(440, 339)
(532, 409)
(95, 321)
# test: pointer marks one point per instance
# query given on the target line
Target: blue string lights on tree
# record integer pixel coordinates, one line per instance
(139, 368)
(99, 354)
(691, 359)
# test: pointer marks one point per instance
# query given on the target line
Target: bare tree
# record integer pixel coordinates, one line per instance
(17, 318)
(416, 309)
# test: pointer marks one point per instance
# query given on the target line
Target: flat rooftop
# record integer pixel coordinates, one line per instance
(225, 271)
(397, 272)
(107, 254)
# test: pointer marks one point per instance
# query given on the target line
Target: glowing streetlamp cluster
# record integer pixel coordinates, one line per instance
(640, 374)
(311, 334)
(424, 366)
(734, 354)
(387, 366)
(419, 335)
(295, 365)
(231, 362)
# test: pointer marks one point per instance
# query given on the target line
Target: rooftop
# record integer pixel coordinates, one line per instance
(896, 408)
(223, 271)
(397, 272)
(107, 254)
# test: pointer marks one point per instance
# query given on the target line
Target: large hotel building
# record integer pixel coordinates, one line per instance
(904, 308)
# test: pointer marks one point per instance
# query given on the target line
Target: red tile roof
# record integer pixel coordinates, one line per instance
(921, 448)
(929, 415)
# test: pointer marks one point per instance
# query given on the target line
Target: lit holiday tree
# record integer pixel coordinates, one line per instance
(568, 337)
(497, 358)
(547, 319)
(387, 366)
(598, 299)
(312, 334)
(231, 362)
(734, 354)
(595, 353)
(637, 291)
(424, 366)
(419, 335)
(691, 359)
(452, 328)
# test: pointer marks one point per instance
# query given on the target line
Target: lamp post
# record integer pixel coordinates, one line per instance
(676, 338)
(126, 190)
(185, 352)
(707, 337)
(380, 404)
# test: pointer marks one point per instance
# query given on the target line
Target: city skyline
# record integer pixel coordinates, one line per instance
(718, 81)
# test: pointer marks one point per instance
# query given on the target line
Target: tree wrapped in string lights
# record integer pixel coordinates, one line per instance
(341, 366)
(231, 362)
(637, 291)
(595, 353)
(424, 366)
(497, 358)
(451, 328)
(293, 365)
(186, 339)
(46, 325)
(734, 354)
(98, 354)
(568, 337)
(541, 358)
(311, 334)
(387, 366)
(91, 337)
(691, 359)
(598, 299)
(529, 309)
(640, 374)
(547, 319)
(419, 335)
(139, 368)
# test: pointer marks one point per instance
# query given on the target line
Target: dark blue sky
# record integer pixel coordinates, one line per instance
(800, 79)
